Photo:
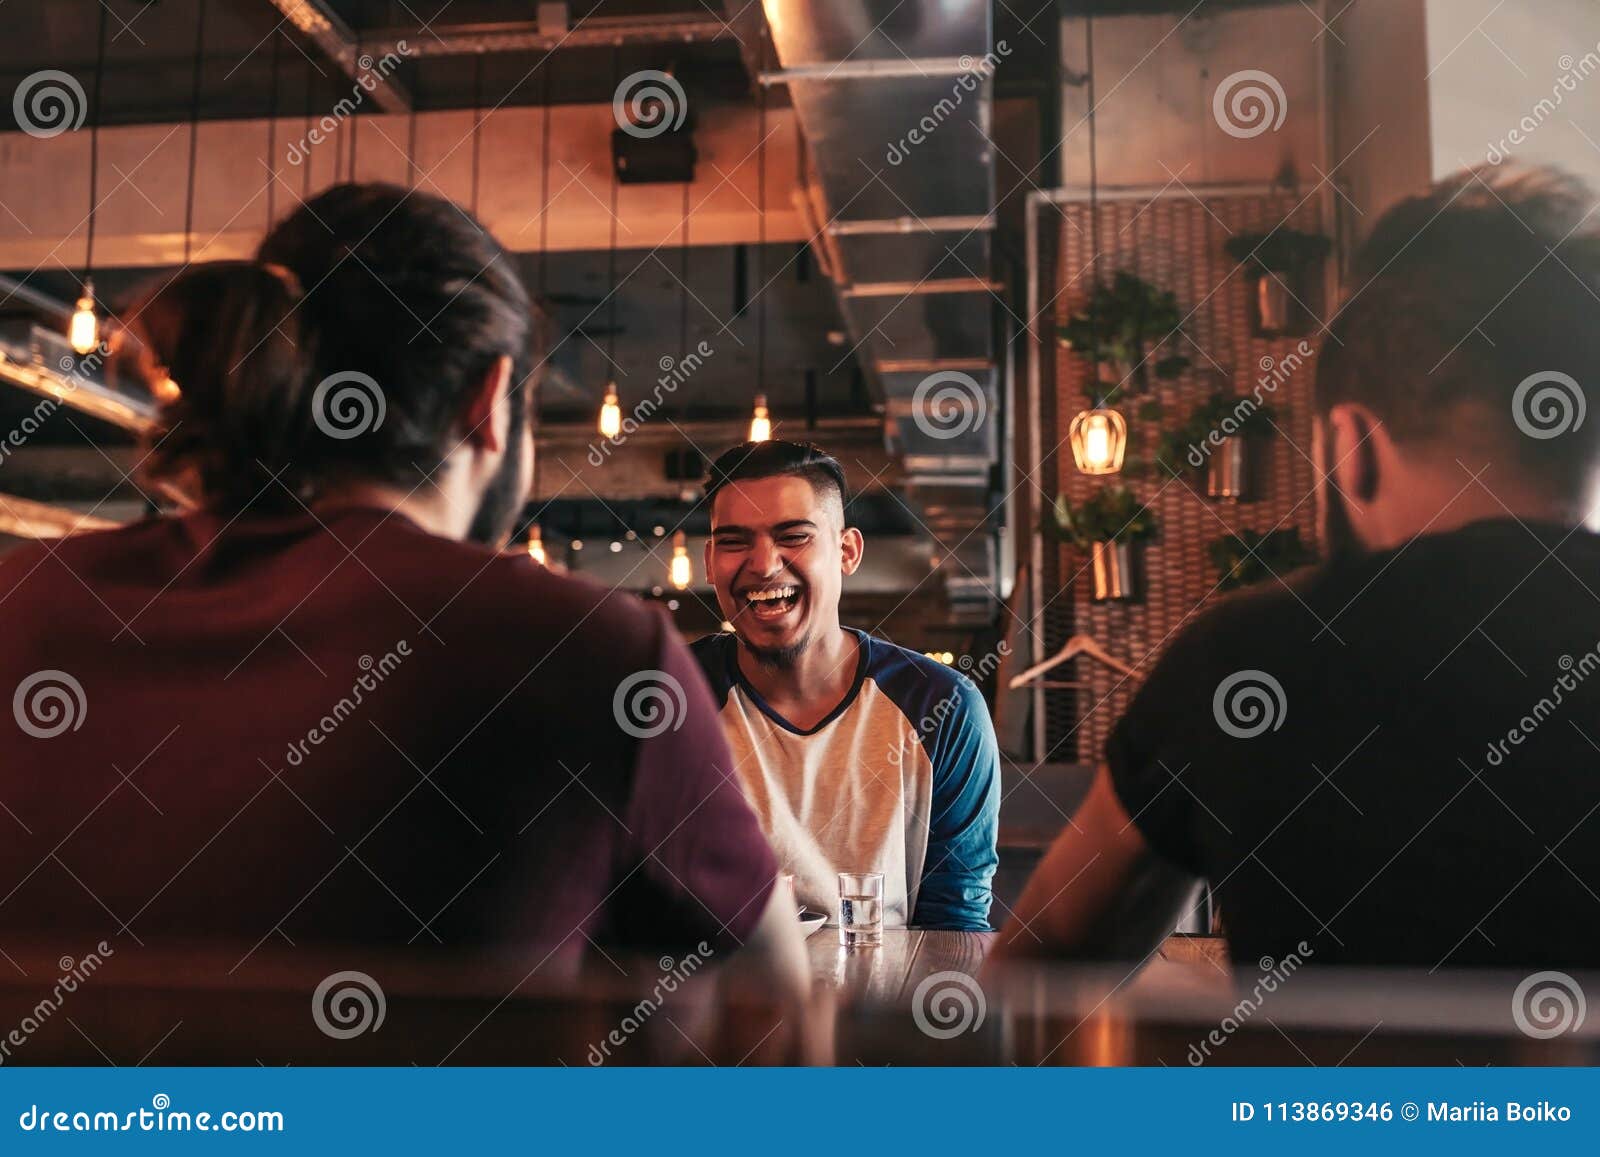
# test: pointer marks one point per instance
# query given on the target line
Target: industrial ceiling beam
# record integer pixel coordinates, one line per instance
(320, 24)
(531, 36)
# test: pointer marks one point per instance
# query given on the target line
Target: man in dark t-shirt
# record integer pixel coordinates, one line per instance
(1394, 758)
(323, 707)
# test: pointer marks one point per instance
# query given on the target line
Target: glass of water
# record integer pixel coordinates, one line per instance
(860, 909)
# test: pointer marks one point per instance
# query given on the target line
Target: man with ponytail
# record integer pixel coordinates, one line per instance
(318, 702)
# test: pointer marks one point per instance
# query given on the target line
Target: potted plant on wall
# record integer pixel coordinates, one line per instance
(1128, 330)
(1250, 557)
(1108, 524)
(1280, 265)
(1216, 437)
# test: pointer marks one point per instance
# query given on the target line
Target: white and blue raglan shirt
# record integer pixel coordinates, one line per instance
(903, 778)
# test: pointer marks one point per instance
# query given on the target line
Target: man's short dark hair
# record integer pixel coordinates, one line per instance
(1460, 296)
(751, 460)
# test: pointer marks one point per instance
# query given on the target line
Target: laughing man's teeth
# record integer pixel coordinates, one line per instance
(770, 593)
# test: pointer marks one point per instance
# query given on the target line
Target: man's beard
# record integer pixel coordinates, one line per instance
(779, 658)
(502, 500)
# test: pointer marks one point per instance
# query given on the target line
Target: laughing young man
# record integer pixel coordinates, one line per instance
(857, 755)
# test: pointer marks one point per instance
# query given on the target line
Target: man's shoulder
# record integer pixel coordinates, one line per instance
(917, 684)
(714, 653)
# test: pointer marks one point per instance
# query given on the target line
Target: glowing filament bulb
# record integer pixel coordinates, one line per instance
(84, 332)
(760, 422)
(610, 413)
(536, 547)
(680, 573)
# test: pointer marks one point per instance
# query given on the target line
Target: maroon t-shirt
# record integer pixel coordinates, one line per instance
(344, 729)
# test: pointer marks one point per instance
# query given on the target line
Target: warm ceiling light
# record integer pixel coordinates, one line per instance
(536, 547)
(760, 423)
(680, 573)
(84, 333)
(610, 413)
(1099, 440)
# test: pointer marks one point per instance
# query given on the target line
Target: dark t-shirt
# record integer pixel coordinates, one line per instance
(289, 730)
(1396, 761)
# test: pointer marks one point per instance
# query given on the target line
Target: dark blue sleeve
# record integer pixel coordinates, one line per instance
(963, 829)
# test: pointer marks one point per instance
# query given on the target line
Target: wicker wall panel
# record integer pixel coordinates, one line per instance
(1175, 242)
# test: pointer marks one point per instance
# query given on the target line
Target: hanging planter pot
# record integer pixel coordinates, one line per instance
(1281, 264)
(1112, 565)
(1109, 524)
(1228, 469)
(1277, 313)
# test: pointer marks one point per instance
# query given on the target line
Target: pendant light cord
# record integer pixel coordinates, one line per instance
(477, 124)
(94, 149)
(1094, 219)
(611, 262)
(761, 228)
(194, 133)
(272, 133)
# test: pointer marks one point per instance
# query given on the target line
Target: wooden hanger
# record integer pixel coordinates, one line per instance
(1077, 645)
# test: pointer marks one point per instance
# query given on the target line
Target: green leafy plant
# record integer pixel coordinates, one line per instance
(1219, 414)
(1131, 326)
(1250, 557)
(1112, 514)
(1281, 251)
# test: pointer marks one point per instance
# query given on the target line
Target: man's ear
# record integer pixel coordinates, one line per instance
(485, 422)
(705, 557)
(851, 548)
(1354, 434)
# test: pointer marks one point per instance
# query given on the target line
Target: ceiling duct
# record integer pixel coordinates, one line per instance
(895, 102)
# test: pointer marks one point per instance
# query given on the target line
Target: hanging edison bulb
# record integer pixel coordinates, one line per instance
(680, 573)
(84, 332)
(610, 413)
(760, 421)
(1099, 439)
(536, 546)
